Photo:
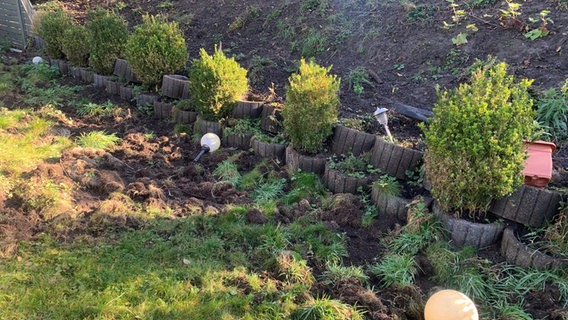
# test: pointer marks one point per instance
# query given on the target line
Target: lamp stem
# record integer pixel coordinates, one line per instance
(204, 150)
(389, 133)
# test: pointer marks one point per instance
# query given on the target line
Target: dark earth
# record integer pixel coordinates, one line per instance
(406, 51)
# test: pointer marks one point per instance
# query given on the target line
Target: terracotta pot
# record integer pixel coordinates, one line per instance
(516, 252)
(394, 159)
(538, 165)
(346, 140)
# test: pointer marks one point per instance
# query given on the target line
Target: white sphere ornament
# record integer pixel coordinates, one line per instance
(211, 140)
(37, 60)
(450, 305)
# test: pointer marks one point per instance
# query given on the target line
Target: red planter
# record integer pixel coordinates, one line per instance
(538, 165)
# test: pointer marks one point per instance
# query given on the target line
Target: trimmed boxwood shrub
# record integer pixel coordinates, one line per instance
(216, 84)
(51, 27)
(107, 39)
(156, 48)
(76, 46)
(311, 107)
(475, 140)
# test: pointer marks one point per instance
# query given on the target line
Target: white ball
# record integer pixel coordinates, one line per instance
(37, 60)
(450, 305)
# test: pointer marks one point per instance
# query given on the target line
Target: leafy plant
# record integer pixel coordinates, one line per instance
(96, 110)
(75, 45)
(475, 140)
(337, 273)
(51, 28)
(357, 78)
(303, 185)
(351, 165)
(98, 140)
(154, 49)
(107, 39)
(311, 108)
(556, 235)
(277, 138)
(216, 84)
(242, 127)
(542, 30)
(388, 184)
(270, 190)
(552, 112)
(364, 122)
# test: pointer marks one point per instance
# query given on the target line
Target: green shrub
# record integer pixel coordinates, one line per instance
(156, 48)
(75, 45)
(475, 140)
(311, 108)
(216, 84)
(51, 27)
(107, 39)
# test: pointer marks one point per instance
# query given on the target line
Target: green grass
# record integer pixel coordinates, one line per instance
(24, 141)
(98, 140)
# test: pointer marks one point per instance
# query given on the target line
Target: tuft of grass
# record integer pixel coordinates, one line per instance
(227, 171)
(337, 273)
(395, 270)
(95, 110)
(327, 309)
(357, 78)
(314, 42)
(98, 140)
(304, 185)
(269, 190)
(388, 184)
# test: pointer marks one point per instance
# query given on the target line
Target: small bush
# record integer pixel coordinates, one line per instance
(156, 48)
(311, 108)
(107, 40)
(75, 45)
(51, 29)
(475, 140)
(216, 84)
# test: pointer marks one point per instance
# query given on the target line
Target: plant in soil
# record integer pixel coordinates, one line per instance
(51, 27)
(311, 107)
(552, 112)
(107, 39)
(475, 140)
(389, 185)
(154, 49)
(552, 239)
(98, 140)
(216, 84)
(351, 165)
(242, 127)
(75, 45)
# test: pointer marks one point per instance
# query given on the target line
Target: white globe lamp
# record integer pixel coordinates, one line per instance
(209, 143)
(450, 305)
(37, 60)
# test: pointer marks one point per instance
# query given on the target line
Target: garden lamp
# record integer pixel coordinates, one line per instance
(37, 60)
(450, 305)
(381, 115)
(209, 143)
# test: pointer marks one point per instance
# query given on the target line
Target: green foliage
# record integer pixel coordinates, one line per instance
(227, 171)
(303, 185)
(352, 165)
(216, 84)
(475, 140)
(556, 235)
(357, 78)
(242, 127)
(95, 110)
(395, 270)
(337, 273)
(98, 140)
(311, 108)
(51, 29)
(388, 184)
(326, 309)
(314, 42)
(154, 49)
(76, 46)
(107, 39)
(552, 112)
